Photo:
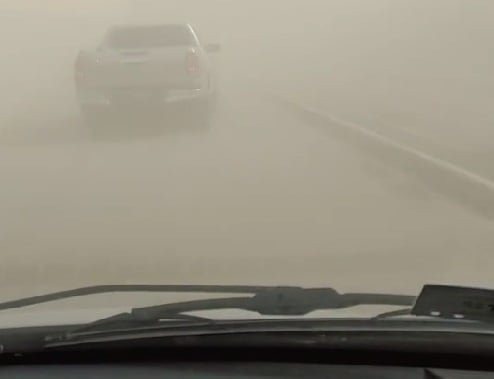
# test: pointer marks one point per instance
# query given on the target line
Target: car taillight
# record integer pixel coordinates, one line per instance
(193, 63)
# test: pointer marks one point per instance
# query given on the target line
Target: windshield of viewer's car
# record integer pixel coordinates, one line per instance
(321, 143)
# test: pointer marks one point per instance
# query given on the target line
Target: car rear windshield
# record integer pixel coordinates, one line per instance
(153, 36)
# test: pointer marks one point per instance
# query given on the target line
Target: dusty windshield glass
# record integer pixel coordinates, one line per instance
(342, 143)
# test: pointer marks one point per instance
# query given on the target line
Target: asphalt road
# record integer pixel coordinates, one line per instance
(258, 198)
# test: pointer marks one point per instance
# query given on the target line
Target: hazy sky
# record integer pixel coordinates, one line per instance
(62, 5)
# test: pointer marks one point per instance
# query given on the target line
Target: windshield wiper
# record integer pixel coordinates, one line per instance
(265, 300)
(95, 290)
(434, 301)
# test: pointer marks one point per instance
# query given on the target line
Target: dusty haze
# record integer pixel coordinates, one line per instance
(265, 196)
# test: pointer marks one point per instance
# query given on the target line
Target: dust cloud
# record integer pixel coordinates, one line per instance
(260, 196)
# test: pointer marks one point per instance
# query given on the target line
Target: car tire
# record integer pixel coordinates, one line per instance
(94, 118)
(93, 115)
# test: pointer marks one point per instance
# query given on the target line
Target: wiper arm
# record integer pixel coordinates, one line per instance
(281, 301)
(266, 300)
(436, 301)
(95, 290)
(271, 301)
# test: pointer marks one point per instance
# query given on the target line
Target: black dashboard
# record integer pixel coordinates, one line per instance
(241, 370)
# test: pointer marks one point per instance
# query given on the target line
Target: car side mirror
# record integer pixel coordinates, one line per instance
(213, 47)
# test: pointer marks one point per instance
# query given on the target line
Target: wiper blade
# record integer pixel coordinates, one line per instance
(264, 300)
(442, 302)
(279, 301)
(95, 290)
(269, 301)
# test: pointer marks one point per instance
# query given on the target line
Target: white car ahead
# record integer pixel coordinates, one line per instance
(146, 65)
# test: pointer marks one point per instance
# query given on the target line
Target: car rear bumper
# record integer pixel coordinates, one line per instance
(106, 98)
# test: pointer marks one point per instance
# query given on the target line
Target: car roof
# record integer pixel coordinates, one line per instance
(145, 26)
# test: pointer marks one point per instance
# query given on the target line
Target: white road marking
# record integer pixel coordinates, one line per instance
(440, 163)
